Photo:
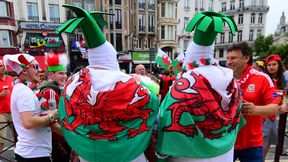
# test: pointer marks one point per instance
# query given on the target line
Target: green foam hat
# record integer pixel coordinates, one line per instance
(207, 24)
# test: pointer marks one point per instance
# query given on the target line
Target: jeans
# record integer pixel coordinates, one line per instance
(254, 154)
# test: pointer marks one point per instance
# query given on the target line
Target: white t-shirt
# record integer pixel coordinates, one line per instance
(31, 143)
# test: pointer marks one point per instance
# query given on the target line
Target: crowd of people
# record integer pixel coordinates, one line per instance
(100, 113)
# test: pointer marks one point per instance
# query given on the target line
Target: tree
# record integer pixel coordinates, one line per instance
(281, 50)
(263, 45)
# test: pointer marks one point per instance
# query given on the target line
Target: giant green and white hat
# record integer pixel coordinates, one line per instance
(206, 25)
(101, 54)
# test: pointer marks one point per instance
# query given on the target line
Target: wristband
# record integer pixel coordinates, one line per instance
(51, 119)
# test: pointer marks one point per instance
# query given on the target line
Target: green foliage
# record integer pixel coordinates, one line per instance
(263, 45)
(281, 50)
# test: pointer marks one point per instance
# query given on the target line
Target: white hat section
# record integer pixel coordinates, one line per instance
(13, 62)
(104, 56)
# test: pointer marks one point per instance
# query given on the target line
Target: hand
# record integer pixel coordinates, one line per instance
(53, 113)
(249, 108)
(282, 108)
(4, 93)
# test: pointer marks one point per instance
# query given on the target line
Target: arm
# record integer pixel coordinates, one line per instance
(282, 107)
(56, 128)
(32, 121)
(267, 110)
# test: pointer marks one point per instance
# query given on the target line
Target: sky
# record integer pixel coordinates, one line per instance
(276, 7)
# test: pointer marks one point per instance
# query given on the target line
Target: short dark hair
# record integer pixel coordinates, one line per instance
(245, 49)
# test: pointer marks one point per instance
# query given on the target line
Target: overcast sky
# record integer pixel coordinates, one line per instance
(276, 7)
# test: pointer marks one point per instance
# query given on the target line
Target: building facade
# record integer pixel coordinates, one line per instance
(37, 21)
(8, 29)
(167, 26)
(250, 18)
(281, 34)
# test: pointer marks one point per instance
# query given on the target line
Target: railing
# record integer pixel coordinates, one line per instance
(141, 28)
(186, 7)
(249, 8)
(12, 142)
(151, 6)
(141, 5)
(151, 29)
(55, 19)
(118, 25)
(33, 18)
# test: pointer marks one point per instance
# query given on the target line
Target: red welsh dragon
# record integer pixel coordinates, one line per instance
(108, 108)
(196, 96)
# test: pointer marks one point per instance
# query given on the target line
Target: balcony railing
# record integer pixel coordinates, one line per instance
(118, 25)
(55, 19)
(141, 28)
(141, 5)
(186, 7)
(151, 29)
(250, 9)
(151, 6)
(33, 18)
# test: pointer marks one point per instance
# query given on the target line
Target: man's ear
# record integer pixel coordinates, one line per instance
(246, 58)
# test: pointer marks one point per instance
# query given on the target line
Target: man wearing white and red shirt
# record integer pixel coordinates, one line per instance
(259, 100)
(6, 84)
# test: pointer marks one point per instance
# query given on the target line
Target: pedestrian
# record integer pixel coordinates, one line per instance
(274, 68)
(140, 69)
(106, 116)
(31, 123)
(200, 115)
(51, 91)
(6, 85)
(258, 100)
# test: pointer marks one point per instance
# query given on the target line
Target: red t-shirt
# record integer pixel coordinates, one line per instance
(258, 89)
(5, 100)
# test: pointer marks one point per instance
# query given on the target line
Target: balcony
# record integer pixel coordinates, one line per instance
(141, 28)
(118, 25)
(141, 5)
(33, 18)
(248, 9)
(186, 7)
(151, 29)
(55, 19)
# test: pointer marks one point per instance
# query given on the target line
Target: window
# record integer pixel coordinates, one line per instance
(77, 3)
(230, 38)
(112, 39)
(201, 5)
(223, 6)
(196, 5)
(151, 23)
(185, 44)
(170, 10)
(5, 38)
(111, 17)
(162, 9)
(221, 53)
(151, 4)
(251, 35)
(232, 5)
(170, 32)
(162, 32)
(4, 12)
(222, 37)
(32, 9)
(139, 44)
(240, 19)
(89, 5)
(260, 18)
(118, 2)
(141, 22)
(118, 19)
(54, 12)
(186, 20)
(261, 3)
(119, 42)
(141, 4)
(150, 42)
(210, 5)
(241, 4)
(186, 4)
(110, 2)
(239, 36)
(259, 32)
(252, 18)
(253, 3)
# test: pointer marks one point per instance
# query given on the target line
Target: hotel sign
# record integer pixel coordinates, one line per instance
(32, 25)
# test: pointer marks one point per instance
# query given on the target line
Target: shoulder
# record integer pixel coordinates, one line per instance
(260, 76)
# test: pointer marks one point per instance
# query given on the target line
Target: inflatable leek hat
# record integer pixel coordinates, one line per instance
(101, 54)
(206, 25)
(56, 62)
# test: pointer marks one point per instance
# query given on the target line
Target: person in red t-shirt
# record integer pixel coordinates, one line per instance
(274, 69)
(259, 100)
(6, 84)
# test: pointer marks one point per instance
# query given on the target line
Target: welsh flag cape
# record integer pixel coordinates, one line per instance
(163, 59)
(107, 119)
(200, 116)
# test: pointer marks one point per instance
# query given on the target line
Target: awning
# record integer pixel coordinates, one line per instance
(40, 60)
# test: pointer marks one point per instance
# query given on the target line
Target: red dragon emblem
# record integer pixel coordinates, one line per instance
(105, 108)
(196, 96)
